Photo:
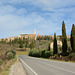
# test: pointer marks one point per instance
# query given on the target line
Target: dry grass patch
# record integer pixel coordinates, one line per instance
(22, 52)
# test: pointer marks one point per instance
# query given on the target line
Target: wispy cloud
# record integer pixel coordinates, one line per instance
(19, 16)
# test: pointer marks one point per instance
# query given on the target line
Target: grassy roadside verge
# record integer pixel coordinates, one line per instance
(6, 69)
(22, 52)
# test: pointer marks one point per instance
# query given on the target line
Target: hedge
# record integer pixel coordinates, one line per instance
(40, 53)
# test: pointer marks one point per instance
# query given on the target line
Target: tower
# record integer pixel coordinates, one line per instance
(35, 31)
(38, 34)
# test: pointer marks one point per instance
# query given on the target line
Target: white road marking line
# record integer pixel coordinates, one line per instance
(58, 67)
(28, 67)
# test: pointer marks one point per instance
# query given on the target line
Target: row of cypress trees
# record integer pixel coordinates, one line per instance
(64, 40)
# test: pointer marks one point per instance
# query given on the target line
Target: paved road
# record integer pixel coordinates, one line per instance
(36, 66)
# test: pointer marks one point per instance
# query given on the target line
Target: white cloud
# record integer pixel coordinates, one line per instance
(14, 16)
(9, 9)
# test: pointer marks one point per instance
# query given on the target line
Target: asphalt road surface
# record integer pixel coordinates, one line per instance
(36, 66)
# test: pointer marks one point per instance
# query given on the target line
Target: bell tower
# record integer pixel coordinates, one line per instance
(35, 31)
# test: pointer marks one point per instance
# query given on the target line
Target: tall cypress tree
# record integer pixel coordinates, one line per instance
(73, 38)
(49, 47)
(55, 48)
(64, 38)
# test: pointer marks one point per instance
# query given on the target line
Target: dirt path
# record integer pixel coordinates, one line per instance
(17, 69)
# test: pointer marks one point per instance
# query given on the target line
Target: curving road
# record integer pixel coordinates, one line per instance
(36, 66)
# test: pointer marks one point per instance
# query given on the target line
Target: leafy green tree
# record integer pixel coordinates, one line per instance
(26, 43)
(21, 45)
(55, 48)
(49, 47)
(73, 38)
(64, 38)
(31, 45)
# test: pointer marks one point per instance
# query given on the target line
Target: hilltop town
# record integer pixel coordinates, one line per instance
(31, 37)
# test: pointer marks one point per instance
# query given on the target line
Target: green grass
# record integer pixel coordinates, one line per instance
(22, 52)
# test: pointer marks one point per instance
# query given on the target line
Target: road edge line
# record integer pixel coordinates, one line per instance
(28, 67)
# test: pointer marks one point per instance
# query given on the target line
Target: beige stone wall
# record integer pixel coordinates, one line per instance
(11, 38)
(59, 43)
(30, 36)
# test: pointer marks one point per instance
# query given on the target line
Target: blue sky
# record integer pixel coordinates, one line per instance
(46, 16)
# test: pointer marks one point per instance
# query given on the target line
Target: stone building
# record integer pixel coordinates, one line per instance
(45, 35)
(12, 38)
(30, 36)
(59, 43)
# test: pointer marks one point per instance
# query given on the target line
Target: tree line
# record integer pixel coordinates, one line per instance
(64, 41)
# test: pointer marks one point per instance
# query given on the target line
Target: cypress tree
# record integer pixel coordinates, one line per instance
(64, 38)
(55, 48)
(49, 47)
(73, 38)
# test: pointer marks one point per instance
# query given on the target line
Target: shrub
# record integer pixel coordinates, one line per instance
(1, 61)
(9, 55)
(47, 54)
(20, 45)
(42, 53)
(30, 53)
(13, 51)
(56, 55)
(51, 53)
(71, 55)
(35, 53)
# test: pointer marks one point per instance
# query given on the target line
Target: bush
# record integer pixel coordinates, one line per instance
(35, 53)
(48, 54)
(20, 45)
(56, 56)
(71, 55)
(13, 51)
(9, 55)
(42, 53)
(30, 53)
(1, 61)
